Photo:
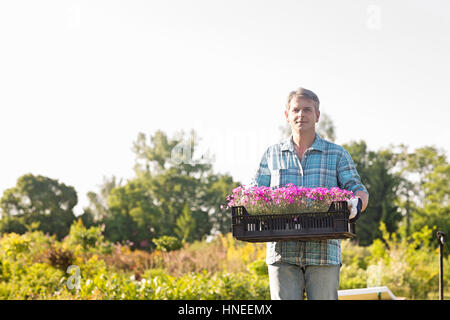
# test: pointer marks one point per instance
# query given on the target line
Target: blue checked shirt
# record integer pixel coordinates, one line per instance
(325, 165)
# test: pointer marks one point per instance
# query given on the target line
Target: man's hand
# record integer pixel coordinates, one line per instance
(355, 207)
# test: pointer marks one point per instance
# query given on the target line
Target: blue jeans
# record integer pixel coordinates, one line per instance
(288, 281)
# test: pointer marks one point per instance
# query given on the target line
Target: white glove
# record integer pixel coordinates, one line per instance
(353, 207)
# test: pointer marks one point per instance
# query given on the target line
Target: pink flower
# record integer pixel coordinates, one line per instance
(289, 198)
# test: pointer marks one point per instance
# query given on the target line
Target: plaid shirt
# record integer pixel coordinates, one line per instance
(325, 165)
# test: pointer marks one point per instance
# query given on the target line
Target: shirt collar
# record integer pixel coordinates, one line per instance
(318, 144)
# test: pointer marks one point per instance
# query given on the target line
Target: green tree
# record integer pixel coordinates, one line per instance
(417, 166)
(185, 225)
(435, 212)
(39, 200)
(216, 190)
(132, 215)
(169, 174)
(98, 202)
(175, 174)
(427, 176)
(154, 156)
(377, 174)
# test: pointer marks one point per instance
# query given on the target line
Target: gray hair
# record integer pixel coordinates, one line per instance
(303, 93)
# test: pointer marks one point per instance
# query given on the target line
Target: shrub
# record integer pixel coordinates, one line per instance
(60, 258)
(167, 243)
(408, 266)
(34, 266)
(204, 286)
(38, 282)
(15, 245)
(123, 259)
(258, 267)
(86, 239)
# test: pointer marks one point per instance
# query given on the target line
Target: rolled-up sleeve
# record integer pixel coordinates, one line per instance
(348, 177)
(262, 175)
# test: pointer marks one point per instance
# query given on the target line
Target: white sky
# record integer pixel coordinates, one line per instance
(80, 79)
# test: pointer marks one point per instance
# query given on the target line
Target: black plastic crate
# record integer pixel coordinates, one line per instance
(333, 224)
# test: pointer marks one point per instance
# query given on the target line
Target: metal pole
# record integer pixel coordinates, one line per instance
(440, 236)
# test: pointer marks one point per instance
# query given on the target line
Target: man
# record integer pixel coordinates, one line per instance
(307, 160)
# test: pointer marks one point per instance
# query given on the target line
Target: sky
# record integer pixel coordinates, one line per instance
(80, 79)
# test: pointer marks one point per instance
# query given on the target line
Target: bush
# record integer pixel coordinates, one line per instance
(258, 267)
(15, 245)
(38, 282)
(86, 239)
(408, 266)
(204, 286)
(167, 243)
(34, 266)
(60, 258)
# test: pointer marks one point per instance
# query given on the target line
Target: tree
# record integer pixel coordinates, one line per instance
(98, 202)
(216, 190)
(175, 174)
(154, 156)
(376, 172)
(185, 225)
(132, 215)
(437, 185)
(171, 190)
(417, 167)
(174, 193)
(435, 211)
(39, 200)
(425, 191)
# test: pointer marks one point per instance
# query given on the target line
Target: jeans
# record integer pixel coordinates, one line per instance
(288, 281)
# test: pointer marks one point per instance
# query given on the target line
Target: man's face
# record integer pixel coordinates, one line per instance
(302, 115)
